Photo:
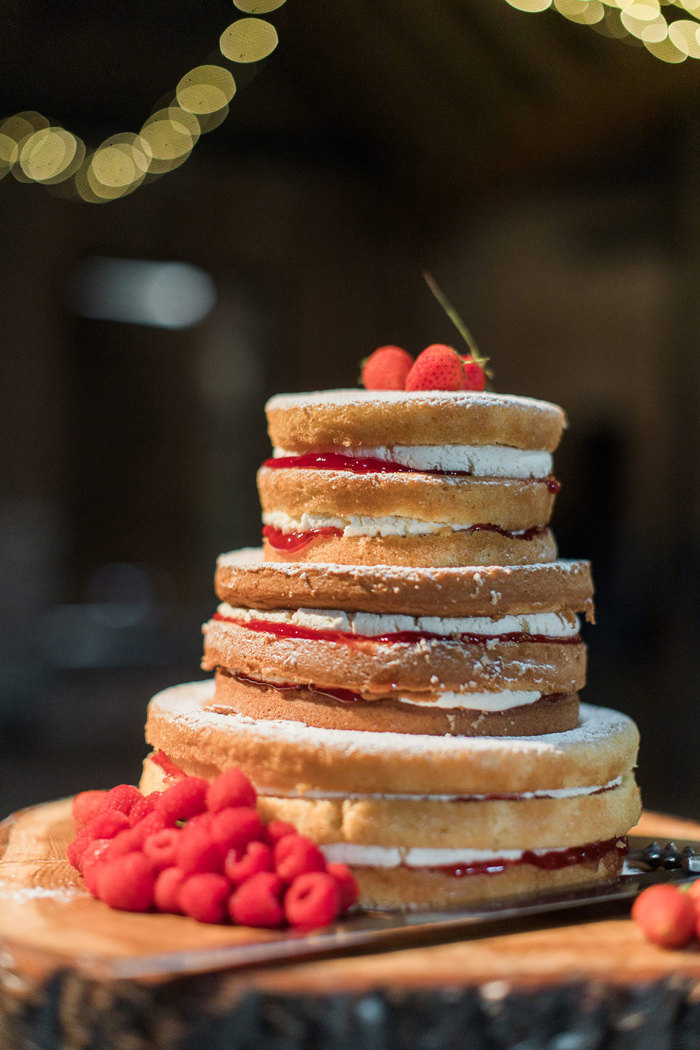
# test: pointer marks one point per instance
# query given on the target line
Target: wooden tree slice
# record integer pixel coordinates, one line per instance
(64, 957)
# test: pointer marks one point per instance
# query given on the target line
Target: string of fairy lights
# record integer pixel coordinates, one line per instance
(35, 150)
(668, 29)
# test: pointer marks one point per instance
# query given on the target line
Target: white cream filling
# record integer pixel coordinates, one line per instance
(552, 624)
(494, 461)
(415, 857)
(360, 525)
(505, 700)
(490, 702)
(451, 701)
(357, 525)
(556, 793)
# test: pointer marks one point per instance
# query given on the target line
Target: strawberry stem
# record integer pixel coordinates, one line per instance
(455, 318)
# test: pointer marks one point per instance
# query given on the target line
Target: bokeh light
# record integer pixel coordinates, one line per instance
(258, 7)
(248, 40)
(686, 36)
(666, 50)
(209, 121)
(170, 134)
(653, 30)
(114, 168)
(14, 132)
(32, 149)
(585, 12)
(141, 291)
(611, 26)
(49, 155)
(638, 22)
(206, 89)
(532, 6)
(641, 11)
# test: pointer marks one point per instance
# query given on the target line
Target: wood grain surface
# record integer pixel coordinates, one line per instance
(54, 935)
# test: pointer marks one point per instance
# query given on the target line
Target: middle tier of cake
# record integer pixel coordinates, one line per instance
(466, 652)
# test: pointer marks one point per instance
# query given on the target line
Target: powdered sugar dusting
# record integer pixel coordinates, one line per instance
(433, 398)
(184, 704)
(251, 559)
(20, 894)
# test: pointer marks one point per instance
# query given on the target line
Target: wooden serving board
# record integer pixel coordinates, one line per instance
(57, 943)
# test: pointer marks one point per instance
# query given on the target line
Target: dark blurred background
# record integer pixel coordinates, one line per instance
(547, 175)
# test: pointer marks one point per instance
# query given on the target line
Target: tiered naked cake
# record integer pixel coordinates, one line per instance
(398, 670)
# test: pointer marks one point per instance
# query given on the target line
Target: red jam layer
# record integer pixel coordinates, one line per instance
(296, 541)
(171, 771)
(367, 465)
(289, 630)
(344, 696)
(338, 461)
(592, 852)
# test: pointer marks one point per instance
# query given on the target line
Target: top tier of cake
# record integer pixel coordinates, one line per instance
(410, 478)
(374, 608)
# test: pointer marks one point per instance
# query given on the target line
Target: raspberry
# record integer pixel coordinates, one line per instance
(143, 807)
(124, 842)
(149, 825)
(439, 367)
(231, 788)
(123, 797)
(257, 901)
(202, 820)
(161, 847)
(90, 877)
(312, 900)
(348, 890)
(297, 855)
(235, 827)
(86, 806)
(386, 369)
(256, 858)
(276, 830)
(205, 897)
(127, 883)
(77, 847)
(474, 376)
(93, 857)
(107, 824)
(197, 853)
(92, 853)
(167, 888)
(170, 770)
(183, 800)
(665, 915)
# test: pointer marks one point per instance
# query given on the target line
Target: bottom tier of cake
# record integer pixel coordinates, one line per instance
(424, 821)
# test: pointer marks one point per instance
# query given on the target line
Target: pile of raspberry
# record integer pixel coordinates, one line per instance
(200, 849)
